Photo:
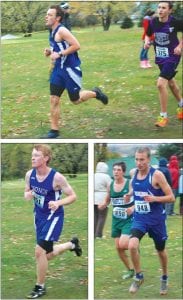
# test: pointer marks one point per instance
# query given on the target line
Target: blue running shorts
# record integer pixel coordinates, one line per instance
(67, 78)
(156, 231)
(49, 228)
(168, 70)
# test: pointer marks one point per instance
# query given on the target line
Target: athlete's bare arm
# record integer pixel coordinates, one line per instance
(64, 34)
(159, 181)
(60, 182)
(28, 192)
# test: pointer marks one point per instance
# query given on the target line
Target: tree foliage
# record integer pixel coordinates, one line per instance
(22, 16)
(127, 23)
(166, 150)
(67, 158)
(28, 16)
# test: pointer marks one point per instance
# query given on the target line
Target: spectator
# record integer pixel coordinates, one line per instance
(174, 171)
(66, 20)
(102, 180)
(144, 61)
(163, 167)
(181, 191)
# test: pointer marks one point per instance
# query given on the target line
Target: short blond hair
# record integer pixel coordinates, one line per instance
(45, 149)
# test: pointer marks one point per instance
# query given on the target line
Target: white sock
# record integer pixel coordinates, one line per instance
(163, 114)
(73, 246)
(41, 285)
(180, 103)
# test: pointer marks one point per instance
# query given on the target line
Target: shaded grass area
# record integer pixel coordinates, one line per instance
(67, 274)
(110, 60)
(109, 269)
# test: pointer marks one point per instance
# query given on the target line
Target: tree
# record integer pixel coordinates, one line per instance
(22, 16)
(67, 158)
(166, 150)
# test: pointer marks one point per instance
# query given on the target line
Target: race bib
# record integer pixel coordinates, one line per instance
(162, 52)
(39, 200)
(120, 213)
(142, 207)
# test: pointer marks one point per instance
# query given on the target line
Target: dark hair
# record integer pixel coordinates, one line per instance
(59, 11)
(170, 3)
(121, 164)
(150, 12)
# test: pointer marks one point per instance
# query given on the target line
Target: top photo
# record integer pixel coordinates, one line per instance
(91, 70)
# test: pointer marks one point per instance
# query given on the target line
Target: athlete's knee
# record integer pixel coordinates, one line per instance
(133, 244)
(39, 252)
(161, 83)
(172, 84)
(54, 100)
(76, 102)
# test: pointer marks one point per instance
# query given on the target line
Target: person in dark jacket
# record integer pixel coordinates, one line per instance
(163, 167)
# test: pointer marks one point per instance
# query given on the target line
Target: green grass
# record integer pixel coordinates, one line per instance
(67, 274)
(109, 60)
(109, 269)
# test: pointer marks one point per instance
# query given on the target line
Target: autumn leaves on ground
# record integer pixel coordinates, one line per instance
(110, 60)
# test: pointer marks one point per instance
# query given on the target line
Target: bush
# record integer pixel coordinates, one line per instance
(127, 23)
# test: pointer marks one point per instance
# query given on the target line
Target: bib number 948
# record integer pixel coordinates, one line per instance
(142, 207)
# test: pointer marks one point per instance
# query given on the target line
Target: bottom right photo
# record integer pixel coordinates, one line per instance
(138, 208)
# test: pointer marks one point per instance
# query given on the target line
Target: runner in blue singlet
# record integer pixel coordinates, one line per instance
(44, 186)
(150, 191)
(66, 73)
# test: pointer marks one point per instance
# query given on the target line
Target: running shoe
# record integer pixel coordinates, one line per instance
(164, 287)
(136, 284)
(128, 274)
(161, 122)
(37, 292)
(77, 249)
(100, 95)
(180, 113)
(52, 134)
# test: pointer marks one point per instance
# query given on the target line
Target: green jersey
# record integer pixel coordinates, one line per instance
(121, 222)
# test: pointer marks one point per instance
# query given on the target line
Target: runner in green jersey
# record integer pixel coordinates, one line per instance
(121, 215)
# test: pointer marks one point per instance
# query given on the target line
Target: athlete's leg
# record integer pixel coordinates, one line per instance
(174, 89)
(163, 257)
(134, 253)
(121, 247)
(59, 249)
(42, 264)
(55, 111)
(163, 93)
(84, 96)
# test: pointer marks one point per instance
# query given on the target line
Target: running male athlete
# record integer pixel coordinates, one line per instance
(121, 215)
(150, 191)
(167, 56)
(45, 186)
(66, 73)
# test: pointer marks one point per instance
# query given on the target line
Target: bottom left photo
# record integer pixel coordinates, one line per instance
(44, 221)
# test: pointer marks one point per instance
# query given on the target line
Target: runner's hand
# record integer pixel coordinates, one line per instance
(53, 205)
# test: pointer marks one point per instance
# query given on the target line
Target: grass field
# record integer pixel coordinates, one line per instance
(110, 60)
(68, 274)
(109, 269)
